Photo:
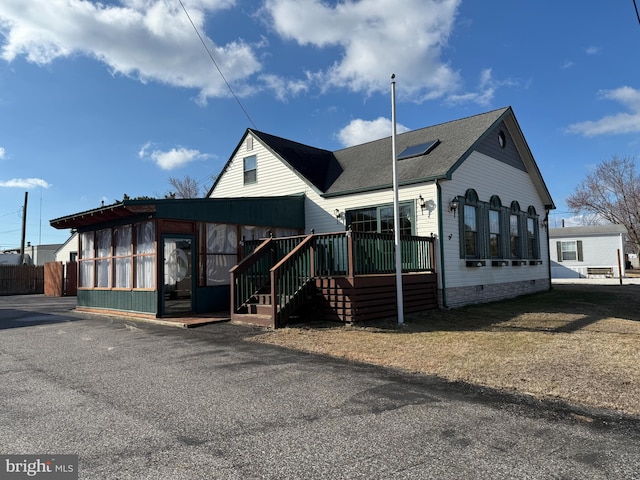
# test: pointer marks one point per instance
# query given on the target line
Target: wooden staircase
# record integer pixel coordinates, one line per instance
(258, 309)
(273, 282)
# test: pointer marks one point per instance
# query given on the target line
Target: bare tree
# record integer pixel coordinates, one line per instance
(186, 187)
(611, 192)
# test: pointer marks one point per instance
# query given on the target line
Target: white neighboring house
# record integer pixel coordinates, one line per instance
(472, 184)
(33, 255)
(595, 251)
(68, 251)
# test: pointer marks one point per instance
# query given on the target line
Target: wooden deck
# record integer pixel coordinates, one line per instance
(343, 276)
(369, 297)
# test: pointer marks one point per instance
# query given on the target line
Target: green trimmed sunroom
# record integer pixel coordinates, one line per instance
(171, 257)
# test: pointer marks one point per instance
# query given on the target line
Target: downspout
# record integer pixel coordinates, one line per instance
(546, 222)
(441, 235)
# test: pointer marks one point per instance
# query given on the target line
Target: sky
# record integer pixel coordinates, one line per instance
(103, 99)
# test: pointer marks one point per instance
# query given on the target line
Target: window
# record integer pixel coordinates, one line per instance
(470, 221)
(122, 256)
(103, 254)
(250, 170)
(87, 259)
(514, 231)
(363, 220)
(380, 219)
(221, 253)
(533, 244)
(570, 250)
(489, 230)
(470, 231)
(144, 255)
(495, 227)
(106, 257)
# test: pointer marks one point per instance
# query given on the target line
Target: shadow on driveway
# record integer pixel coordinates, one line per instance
(18, 311)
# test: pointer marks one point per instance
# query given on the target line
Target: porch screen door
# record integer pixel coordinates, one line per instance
(177, 288)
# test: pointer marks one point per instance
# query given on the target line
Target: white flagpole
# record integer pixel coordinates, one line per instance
(396, 205)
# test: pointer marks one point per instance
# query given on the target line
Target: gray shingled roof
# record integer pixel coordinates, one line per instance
(318, 166)
(368, 166)
(587, 230)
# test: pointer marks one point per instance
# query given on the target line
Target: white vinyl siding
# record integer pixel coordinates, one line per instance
(275, 178)
(68, 251)
(595, 251)
(488, 177)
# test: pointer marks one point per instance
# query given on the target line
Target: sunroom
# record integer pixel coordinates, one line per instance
(162, 258)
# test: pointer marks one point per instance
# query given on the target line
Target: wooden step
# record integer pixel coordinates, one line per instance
(252, 319)
(258, 309)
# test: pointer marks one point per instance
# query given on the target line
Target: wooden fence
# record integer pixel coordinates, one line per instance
(60, 279)
(21, 279)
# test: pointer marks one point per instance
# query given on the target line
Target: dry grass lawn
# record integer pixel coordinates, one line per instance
(576, 343)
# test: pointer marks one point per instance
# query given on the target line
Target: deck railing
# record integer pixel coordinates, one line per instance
(287, 265)
(374, 253)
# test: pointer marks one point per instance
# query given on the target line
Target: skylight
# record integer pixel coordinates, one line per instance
(418, 150)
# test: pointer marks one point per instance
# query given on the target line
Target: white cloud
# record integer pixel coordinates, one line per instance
(144, 149)
(376, 38)
(283, 88)
(151, 40)
(171, 159)
(24, 183)
(484, 94)
(593, 50)
(2, 153)
(625, 122)
(360, 131)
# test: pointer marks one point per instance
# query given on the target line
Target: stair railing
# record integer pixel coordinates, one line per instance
(290, 280)
(251, 274)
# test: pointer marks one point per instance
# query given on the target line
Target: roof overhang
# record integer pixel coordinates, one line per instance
(107, 214)
(283, 211)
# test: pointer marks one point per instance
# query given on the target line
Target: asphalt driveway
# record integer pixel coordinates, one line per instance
(140, 401)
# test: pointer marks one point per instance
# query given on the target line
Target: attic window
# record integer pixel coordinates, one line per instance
(502, 139)
(418, 150)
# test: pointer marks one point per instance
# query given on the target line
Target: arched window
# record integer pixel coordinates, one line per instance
(495, 227)
(515, 248)
(471, 224)
(533, 239)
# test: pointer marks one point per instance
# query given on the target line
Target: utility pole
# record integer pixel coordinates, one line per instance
(24, 226)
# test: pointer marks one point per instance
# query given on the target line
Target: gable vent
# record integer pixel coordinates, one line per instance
(418, 150)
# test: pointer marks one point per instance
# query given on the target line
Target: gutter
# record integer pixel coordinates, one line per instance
(404, 183)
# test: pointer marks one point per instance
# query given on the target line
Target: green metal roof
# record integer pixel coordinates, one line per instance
(284, 211)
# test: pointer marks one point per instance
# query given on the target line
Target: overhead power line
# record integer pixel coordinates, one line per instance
(11, 213)
(635, 5)
(216, 65)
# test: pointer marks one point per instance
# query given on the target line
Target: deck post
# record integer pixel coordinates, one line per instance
(312, 258)
(350, 255)
(274, 299)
